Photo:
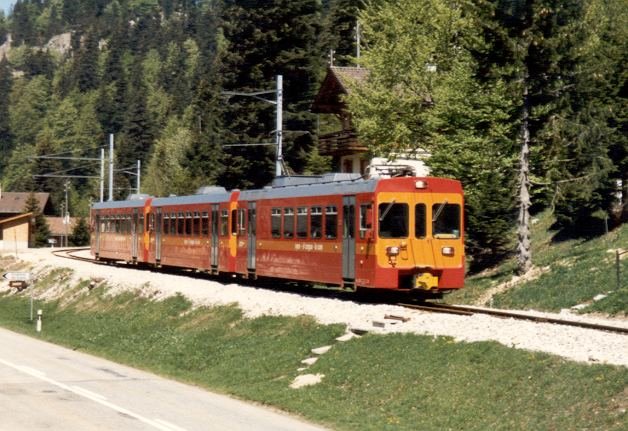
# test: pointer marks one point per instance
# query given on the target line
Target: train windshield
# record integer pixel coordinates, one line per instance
(446, 220)
(393, 220)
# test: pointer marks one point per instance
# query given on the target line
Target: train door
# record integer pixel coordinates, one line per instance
(134, 240)
(252, 229)
(348, 241)
(214, 239)
(158, 238)
(97, 229)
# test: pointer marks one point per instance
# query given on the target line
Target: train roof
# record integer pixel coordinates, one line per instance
(288, 187)
(129, 203)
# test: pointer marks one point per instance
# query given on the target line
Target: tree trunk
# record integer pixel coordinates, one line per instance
(523, 229)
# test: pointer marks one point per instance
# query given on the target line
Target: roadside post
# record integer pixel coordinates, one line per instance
(39, 315)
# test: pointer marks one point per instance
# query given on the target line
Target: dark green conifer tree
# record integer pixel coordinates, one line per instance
(40, 231)
(268, 39)
(86, 63)
(6, 80)
(80, 233)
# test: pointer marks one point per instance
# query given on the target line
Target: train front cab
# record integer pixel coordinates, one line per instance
(419, 236)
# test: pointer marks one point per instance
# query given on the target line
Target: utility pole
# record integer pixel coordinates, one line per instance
(66, 215)
(102, 174)
(279, 120)
(278, 102)
(139, 170)
(110, 166)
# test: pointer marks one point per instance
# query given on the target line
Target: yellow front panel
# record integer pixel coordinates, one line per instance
(419, 252)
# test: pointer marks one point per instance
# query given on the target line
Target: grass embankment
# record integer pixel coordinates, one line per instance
(568, 273)
(392, 382)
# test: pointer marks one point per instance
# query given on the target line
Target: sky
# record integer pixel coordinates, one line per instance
(5, 5)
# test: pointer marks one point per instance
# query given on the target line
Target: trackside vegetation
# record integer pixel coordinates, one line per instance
(376, 382)
(567, 273)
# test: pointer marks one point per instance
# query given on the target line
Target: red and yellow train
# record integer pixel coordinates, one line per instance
(402, 233)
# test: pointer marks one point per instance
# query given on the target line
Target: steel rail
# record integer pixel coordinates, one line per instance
(463, 310)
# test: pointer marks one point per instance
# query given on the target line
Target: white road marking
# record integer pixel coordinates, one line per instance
(88, 394)
(157, 423)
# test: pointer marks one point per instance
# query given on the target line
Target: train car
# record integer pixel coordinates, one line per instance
(402, 233)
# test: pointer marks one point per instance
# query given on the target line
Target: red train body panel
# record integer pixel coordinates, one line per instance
(387, 233)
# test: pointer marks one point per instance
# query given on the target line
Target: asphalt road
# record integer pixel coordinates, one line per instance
(47, 387)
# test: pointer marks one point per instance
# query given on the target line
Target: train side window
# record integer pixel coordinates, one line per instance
(173, 223)
(205, 223)
(166, 230)
(234, 222)
(196, 226)
(224, 222)
(316, 222)
(180, 224)
(151, 222)
(301, 222)
(331, 222)
(446, 220)
(140, 226)
(288, 222)
(241, 221)
(393, 220)
(420, 221)
(275, 223)
(365, 219)
(188, 223)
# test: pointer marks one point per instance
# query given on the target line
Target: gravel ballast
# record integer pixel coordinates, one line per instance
(578, 344)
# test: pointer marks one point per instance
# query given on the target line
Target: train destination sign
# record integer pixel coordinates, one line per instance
(17, 276)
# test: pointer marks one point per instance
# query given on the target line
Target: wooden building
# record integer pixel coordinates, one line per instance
(15, 223)
(348, 153)
(15, 232)
(60, 230)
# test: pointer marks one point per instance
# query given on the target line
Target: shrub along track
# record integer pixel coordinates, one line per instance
(432, 307)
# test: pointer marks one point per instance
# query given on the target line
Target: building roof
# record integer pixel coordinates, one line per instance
(57, 227)
(337, 83)
(15, 218)
(15, 202)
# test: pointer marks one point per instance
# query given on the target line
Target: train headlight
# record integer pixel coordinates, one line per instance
(420, 184)
(392, 251)
(447, 251)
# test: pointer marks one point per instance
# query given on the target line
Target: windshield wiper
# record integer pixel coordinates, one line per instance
(438, 211)
(386, 210)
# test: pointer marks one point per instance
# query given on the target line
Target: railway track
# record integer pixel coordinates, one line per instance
(67, 253)
(469, 311)
(433, 307)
